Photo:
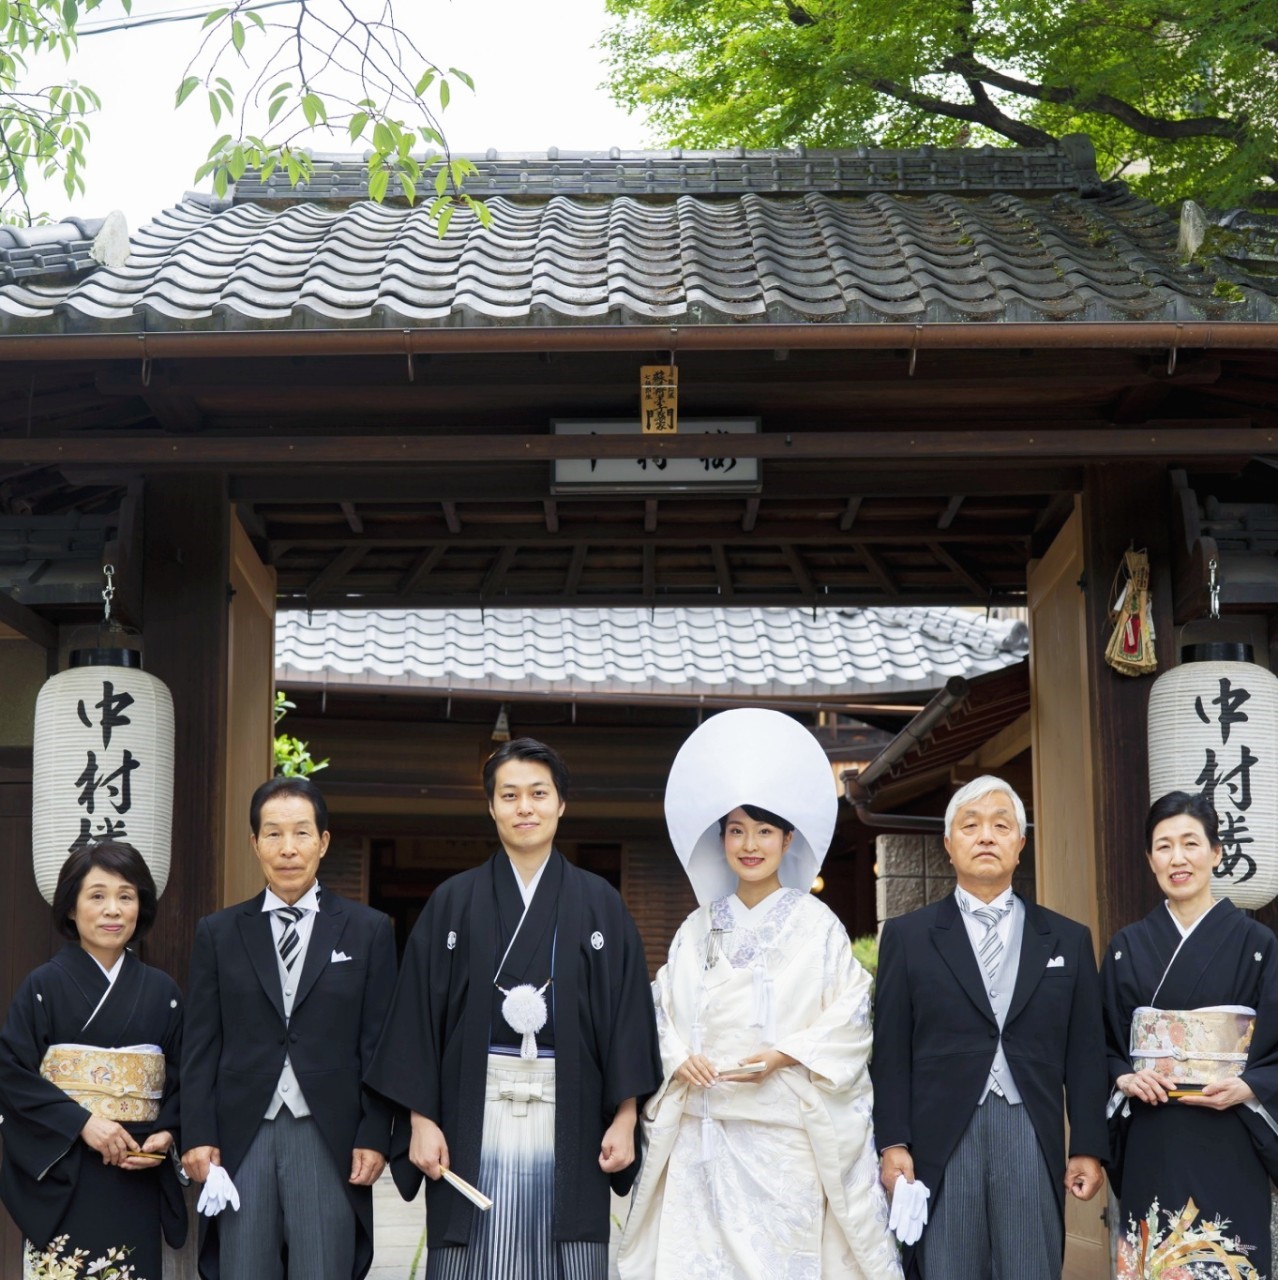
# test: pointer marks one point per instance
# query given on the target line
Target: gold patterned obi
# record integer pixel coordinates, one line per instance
(124, 1085)
(1192, 1046)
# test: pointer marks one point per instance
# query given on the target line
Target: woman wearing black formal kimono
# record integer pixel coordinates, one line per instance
(1191, 1004)
(88, 1078)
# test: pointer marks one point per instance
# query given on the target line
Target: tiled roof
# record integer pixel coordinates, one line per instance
(60, 249)
(746, 653)
(761, 239)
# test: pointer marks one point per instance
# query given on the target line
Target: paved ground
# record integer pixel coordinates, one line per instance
(399, 1226)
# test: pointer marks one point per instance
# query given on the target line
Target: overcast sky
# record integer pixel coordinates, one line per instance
(536, 75)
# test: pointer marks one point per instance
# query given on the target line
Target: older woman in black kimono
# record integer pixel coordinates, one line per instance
(1191, 1003)
(88, 1077)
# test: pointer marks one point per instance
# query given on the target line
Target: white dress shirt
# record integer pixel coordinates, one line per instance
(288, 1093)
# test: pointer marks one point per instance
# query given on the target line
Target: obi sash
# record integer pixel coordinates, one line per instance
(1192, 1046)
(124, 1085)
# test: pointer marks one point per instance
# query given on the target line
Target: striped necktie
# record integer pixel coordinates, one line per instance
(289, 941)
(990, 949)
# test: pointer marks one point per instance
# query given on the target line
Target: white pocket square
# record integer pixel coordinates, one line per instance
(337, 957)
(1056, 962)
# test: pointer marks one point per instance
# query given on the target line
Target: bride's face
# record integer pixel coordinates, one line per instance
(754, 849)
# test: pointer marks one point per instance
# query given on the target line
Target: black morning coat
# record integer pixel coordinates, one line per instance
(433, 1056)
(935, 1037)
(236, 1038)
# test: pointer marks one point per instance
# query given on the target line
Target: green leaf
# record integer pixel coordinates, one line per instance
(383, 138)
(428, 78)
(444, 219)
(410, 188)
(276, 106)
(216, 16)
(186, 88)
(377, 185)
(463, 77)
(255, 18)
(359, 122)
(445, 93)
(215, 108)
(237, 36)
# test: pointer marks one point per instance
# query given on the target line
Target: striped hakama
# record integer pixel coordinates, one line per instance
(514, 1240)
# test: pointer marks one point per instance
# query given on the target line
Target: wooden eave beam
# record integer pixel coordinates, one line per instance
(809, 532)
(528, 483)
(27, 623)
(1178, 439)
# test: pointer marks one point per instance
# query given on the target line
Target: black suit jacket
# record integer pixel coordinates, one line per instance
(935, 1037)
(236, 1038)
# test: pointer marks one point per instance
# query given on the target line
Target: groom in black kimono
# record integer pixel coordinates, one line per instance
(527, 919)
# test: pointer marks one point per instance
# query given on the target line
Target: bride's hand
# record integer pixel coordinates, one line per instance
(773, 1060)
(698, 1071)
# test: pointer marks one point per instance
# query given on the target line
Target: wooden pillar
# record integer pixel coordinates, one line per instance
(1123, 506)
(186, 535)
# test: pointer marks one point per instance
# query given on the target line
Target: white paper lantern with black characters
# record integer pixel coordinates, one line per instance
(1213, 728)
(103, 763)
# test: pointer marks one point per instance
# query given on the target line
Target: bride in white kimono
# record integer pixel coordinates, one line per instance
(760, 1161)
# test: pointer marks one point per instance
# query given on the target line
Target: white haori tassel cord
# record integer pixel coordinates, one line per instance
(764, 1004)
(524, 1009)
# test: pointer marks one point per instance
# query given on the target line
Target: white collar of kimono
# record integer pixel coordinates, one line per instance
(758, 757)
(743, 915)
(1186, 930)
(112, 973)
(309, 901)
(527, 890)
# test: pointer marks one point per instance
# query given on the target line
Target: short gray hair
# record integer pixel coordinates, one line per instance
(978, 789)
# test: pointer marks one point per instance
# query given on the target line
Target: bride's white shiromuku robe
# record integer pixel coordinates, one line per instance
(776, 1180)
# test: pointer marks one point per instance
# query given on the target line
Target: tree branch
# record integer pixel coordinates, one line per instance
(983, 113)
(1124, 112)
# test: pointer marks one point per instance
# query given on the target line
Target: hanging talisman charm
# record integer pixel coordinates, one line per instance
(1131, 647)
(524, 1009)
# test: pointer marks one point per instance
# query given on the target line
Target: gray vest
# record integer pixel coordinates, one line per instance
(999, 989)
(288, 1093)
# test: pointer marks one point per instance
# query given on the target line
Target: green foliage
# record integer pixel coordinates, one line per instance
(316, 68)
(1181, 99)
(865, 951)
(43, 131)
(362, 78)
(292, 756)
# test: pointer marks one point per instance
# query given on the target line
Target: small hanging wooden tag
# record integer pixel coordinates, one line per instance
(659, 399)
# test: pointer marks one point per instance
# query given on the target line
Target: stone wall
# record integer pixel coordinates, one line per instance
(913, 870)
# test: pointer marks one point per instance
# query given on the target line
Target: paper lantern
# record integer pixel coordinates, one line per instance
(1213, 728)
(103, 763)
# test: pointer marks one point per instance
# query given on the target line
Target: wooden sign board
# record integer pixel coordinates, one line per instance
(659, 399)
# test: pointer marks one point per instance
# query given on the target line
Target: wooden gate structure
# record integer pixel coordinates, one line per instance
(951, 356)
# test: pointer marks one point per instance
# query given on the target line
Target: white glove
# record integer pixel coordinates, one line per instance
(909, 1210)
(219, 1191)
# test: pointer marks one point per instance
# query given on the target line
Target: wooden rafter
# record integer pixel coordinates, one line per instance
(336, 569)
(422, 568)
(802, 578)
(751, 515)
(352, 517)
(951, 510)
(976, 584)
(496, 575)
(850, 512)
(875, 564)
